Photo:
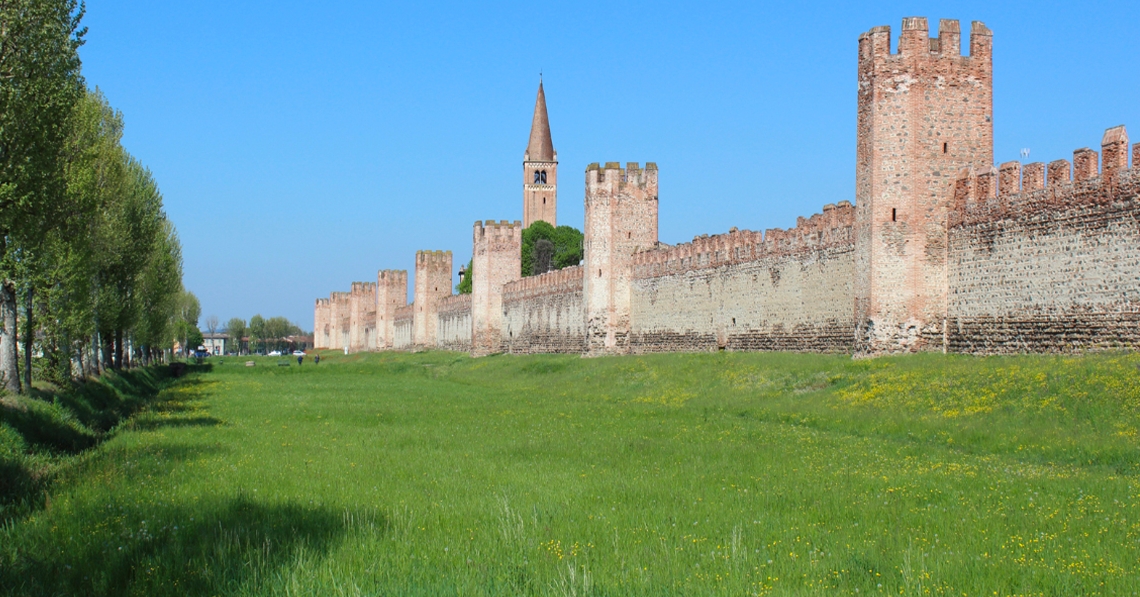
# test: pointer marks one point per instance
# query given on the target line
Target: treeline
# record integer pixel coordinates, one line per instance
(90, 267)
(264, 334)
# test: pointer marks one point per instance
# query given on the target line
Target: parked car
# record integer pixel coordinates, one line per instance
(275, 353)
(298, 353)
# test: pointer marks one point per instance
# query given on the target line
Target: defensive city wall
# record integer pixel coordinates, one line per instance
(941, 251)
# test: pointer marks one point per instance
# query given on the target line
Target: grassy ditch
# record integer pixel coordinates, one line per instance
(706, 474)
(46, 432)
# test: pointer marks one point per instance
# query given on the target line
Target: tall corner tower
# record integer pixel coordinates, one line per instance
(925, 112)
(540, 169)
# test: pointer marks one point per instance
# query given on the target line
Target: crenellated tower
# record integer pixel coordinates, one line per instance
(924, 113)
(621, 219)
(391, 294)
(496, 251)
(540, 169)
(433, 282)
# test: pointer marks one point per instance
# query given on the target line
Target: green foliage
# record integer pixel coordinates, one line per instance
(464, 286)
(709, 474)
(236, 328)
(567, 245)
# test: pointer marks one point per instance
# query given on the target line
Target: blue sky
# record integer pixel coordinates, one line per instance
(303, 145)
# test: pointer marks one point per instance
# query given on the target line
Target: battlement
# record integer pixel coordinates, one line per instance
(915, 41)
(392, 277)
(456, 303)
(502, 229)
(322, 302)
(363, 287)
(1013, 187)
(833, 227)
(436, 258)
(632, 174)
(560, 281)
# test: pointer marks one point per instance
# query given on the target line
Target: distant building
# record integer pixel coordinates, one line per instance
(215, 343)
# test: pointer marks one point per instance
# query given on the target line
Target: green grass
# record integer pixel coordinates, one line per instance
(712, 474)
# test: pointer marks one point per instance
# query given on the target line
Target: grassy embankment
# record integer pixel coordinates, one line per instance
(435, 474)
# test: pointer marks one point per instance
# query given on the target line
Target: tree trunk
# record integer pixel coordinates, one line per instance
(118, 349)
(29, 337)
(9, 357)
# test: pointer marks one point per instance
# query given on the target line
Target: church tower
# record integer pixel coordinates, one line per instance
(540, 169)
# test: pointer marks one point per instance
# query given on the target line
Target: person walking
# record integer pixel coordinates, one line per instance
(316, 359)
(300, 358)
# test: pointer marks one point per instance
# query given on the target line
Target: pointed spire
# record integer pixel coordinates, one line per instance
(540, 148)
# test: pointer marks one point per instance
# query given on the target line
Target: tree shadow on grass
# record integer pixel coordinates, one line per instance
(222, 547)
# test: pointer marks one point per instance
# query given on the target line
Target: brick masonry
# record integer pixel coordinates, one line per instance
(942, 250)
(544, 314)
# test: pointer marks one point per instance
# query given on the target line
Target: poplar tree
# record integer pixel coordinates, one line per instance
(40, 83)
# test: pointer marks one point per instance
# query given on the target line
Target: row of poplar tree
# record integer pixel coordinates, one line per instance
(90, 267)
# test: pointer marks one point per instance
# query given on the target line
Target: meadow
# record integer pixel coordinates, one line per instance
(707, 474)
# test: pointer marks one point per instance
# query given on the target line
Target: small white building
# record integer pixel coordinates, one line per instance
(215, 343)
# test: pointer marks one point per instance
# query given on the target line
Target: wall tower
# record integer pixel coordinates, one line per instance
(621, 219)
(925, 112)
(496, 259)
(391, 294)
(540, 169)
(433, 282)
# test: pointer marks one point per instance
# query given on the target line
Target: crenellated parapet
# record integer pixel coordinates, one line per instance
(456, 303)
(560, 281)
(1012, 189)
(832, 228)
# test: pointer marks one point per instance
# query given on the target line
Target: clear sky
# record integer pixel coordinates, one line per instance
(303, 145)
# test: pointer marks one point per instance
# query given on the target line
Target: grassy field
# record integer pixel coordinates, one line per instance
(713, 474)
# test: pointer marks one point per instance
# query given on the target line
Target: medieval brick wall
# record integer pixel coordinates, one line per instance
(923, 113)
(496, 261)
(621, 220)
(785, 290)
(403, 328)
(454, 323)
(544, 313)
(1047, 266)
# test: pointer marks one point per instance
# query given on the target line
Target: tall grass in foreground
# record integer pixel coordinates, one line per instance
(712, 474)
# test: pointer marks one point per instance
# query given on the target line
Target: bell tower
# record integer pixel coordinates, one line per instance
(540, 169)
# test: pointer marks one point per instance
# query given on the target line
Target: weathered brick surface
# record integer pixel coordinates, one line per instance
(621, 220)
(496, 261)
(403, 328)
(1049, 270)
(785, 290)
(924, 113)
(454, 322)
(544, 314)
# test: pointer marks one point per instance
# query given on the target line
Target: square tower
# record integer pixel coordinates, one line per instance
(540, 169)
(621, 219)
(433, 282)
(925, 113)
(496, 251)
(391, 294)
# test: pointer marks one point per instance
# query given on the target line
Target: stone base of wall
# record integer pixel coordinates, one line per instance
(1075, 331)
